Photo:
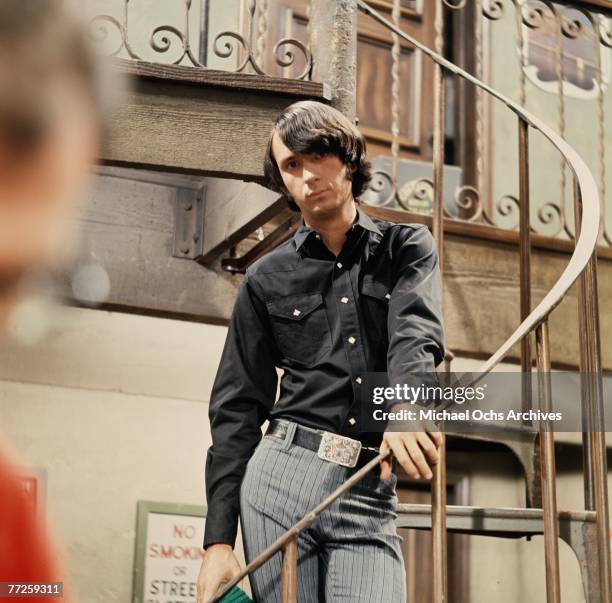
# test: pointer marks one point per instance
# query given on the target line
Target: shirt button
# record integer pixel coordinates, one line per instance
(296, 312)
(318, 236)
(339, 264)
(344, 300)
(351, 340)
(352, 421)
(388, 296)
(358, 380)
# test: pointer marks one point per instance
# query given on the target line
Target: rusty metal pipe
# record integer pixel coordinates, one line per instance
(438, 503)
(547, 463)
(594, 441)
(587, 464)
(525, 258)
(288, 584)
(591, 351)
(438, 527)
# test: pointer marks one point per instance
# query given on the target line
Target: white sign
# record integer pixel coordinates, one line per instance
(172, 554)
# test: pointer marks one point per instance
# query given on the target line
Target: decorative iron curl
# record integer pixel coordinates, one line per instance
(467, 198)
(547, 213)
(289, 56)
(571, 28)
(287, 60)
(601, 27)
(164, 43)
(422, 190)
(493, 9)
(99, 31)
(454, 4)
(381, 181)
(164, 38)
(507, 205)
(533, 16)
(605, 31)
(229, 48)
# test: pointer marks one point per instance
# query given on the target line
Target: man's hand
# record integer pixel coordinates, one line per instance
(412, 449)
(218, 566)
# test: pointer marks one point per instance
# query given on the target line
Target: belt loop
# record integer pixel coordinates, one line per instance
(289, 434)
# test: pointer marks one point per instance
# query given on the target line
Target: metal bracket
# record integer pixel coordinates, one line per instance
(188, 241)
(279, 235)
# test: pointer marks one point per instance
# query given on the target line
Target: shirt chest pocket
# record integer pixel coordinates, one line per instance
(375, 297)
(300, 327)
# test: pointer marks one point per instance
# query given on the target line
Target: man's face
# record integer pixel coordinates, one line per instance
(317, 183)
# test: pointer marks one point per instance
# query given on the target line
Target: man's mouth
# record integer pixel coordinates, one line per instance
(315, 194)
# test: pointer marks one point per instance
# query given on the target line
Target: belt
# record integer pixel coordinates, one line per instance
(329, 446)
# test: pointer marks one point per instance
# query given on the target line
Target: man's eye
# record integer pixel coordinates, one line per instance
(291, 164)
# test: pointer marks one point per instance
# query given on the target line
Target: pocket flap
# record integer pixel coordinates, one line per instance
(295, 307)
(375, 289)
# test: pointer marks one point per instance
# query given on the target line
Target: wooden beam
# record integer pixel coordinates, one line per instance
(226, 80)
(128, 229)
(196, 121)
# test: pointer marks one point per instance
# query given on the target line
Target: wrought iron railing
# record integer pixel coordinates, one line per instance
(534, 323)
(550, 30)
(476, 200)
(172, 43)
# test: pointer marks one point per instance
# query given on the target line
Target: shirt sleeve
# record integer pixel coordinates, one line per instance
(242, 396)
(416, 333)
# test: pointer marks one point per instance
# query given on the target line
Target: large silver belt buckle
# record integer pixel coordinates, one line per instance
(339, 449)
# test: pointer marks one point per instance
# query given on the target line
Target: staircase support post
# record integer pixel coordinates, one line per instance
(438, 520)
(333, 43)
(594, 441)
(547, 455)
(289, 572)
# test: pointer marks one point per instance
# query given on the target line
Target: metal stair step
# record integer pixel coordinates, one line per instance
(503, 522)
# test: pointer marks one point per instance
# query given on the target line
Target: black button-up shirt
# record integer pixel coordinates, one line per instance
(325, 321)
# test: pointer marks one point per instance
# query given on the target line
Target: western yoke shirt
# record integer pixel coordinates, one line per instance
(325, 321)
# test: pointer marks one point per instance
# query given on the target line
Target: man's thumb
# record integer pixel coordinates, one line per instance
(385, 469)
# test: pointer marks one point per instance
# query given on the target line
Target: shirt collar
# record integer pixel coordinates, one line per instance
(363, 220)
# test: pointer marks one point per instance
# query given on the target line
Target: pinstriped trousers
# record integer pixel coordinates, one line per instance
(350, 553)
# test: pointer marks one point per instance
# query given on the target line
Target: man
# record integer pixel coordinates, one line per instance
(346, 296)
(48, 139)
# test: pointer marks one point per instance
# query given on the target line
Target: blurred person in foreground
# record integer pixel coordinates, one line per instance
(49, 130)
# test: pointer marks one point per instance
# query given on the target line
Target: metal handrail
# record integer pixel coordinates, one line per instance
(536, 320)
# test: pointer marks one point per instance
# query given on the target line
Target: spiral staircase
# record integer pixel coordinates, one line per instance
(586, 532)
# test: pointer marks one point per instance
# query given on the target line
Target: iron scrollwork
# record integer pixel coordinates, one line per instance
(286, 59)
(163, 39)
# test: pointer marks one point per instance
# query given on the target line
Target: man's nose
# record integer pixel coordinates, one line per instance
(309, 174)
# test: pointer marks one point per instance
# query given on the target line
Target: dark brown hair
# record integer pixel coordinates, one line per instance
(43, 47)
(312, 127)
